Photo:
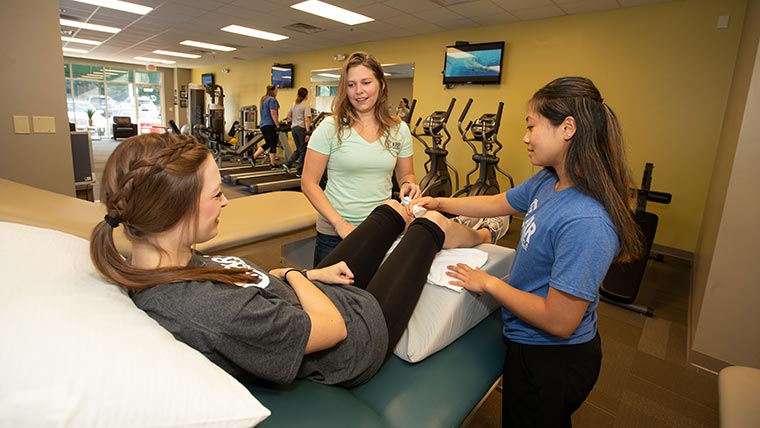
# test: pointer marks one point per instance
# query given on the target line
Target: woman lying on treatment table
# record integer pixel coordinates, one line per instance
(335, 324)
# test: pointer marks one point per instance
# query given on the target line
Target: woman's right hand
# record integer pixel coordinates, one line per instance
(427, 202)
(344, 228)
(339, 273)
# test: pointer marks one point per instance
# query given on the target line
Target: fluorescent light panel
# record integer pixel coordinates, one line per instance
(326, 10)
(160, 61)
(178, 54)
(72, 50)
(207, 46)
(334, 76)
(119, 5)
(86, 26)
(250, 32)
(82, 41)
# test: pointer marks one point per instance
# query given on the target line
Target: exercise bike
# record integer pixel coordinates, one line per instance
(437, 181)
(484, 130)
(621, 285)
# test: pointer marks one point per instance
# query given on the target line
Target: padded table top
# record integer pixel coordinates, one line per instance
(244, 220)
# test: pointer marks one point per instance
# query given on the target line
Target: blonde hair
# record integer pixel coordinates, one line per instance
(344, 111)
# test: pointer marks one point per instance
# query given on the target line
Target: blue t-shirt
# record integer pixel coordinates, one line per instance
(270, 103)
(567, 242)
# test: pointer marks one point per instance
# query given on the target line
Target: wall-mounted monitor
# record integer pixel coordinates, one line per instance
(473, 63)
(282, 75)
(207, 79)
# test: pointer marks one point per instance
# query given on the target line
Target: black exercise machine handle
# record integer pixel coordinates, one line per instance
(448, 111)
(498, 118)
(461, 119)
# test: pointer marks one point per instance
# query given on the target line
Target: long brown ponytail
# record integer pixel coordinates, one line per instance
(596, 161)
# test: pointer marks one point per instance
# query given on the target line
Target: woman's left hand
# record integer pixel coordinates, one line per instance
(339, 273)
(474, 280)
(410, 189)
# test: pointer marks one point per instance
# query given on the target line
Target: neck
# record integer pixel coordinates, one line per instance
(563, 181)
(163, 250)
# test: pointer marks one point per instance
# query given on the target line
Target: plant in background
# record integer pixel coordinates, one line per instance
(90, 114)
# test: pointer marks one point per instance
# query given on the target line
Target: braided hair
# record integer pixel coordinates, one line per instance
(151, 182)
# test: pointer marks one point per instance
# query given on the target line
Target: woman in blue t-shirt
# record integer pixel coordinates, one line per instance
(269, 123)
(577, 222)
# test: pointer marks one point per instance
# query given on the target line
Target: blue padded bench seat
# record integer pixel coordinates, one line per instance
(439, 391)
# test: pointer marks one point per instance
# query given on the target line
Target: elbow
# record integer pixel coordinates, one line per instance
(563, 330)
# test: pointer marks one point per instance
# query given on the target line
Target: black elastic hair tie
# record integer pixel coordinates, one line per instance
(111, 221)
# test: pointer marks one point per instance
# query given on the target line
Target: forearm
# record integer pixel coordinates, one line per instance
(475, 206)
(319, 201)
(327, 324)
(537, 311)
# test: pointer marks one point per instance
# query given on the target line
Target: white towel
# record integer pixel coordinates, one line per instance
(472, 257)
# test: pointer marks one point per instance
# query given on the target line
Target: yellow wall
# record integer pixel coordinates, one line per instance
(664, 68)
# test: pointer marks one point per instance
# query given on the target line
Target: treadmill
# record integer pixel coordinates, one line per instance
(281, 180)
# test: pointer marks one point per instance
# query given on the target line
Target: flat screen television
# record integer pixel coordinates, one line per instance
(282, 75)
(473, 63)
(207, 79)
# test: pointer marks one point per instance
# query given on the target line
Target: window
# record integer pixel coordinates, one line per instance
(100, 93)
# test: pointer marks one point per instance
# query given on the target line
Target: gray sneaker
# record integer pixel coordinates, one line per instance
(498, 226)
(467, 221)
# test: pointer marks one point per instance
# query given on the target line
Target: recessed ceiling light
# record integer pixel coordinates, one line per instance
(250, 32)
(207, 46)
(72, 50)
(119, 5)
(86, 26)
(179, 54)
(326, 10)
(82, 41)
(158, 60)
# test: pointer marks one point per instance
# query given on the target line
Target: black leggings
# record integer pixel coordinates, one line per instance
(398, 283)
(270, 138)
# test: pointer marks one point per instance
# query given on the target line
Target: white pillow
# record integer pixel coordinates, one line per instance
(78, 352)
(443, 315)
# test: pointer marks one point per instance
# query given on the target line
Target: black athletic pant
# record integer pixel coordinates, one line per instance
(544, 384)
(270, 138)
(398, 283)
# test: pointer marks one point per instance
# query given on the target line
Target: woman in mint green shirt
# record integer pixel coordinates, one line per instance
(360, 146)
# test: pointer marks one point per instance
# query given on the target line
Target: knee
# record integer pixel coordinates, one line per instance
(437, 218)
(396, 205)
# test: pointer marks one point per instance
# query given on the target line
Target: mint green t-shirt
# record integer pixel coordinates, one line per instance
(359, 172)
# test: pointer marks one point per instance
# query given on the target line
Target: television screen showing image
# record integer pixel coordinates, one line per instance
(207, 79)
(473, 63)
(282, 75)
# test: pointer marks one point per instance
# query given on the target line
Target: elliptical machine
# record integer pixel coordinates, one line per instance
(484, 130)
(437, 181)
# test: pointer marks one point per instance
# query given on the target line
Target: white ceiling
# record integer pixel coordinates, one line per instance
(173, 21)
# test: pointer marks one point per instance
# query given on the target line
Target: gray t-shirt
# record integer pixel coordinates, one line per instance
(260, 330)
(298, 114)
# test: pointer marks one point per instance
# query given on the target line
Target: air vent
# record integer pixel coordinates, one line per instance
(70, 17)
(300, 27)
(449, 3)
(67, 33)
(239, 59)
